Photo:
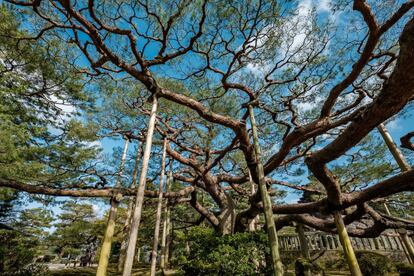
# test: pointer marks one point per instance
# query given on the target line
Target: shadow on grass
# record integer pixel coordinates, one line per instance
(89, 271)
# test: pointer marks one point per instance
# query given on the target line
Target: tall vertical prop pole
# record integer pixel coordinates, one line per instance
(267, 204)
(158, 215)
(407, 245)
(166, 224)
(346, 245)
(395, 151)
(125, 239)
(136, 218)
(404, 166)
(110, 226)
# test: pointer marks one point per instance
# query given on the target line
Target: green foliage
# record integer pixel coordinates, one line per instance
(17, 254)
(372, 263)
(39, 96)
(34, 221)
(78, 227)
(8, 202)
(16, 251)
(23, 240)
(333, 261)
(303, 265)
(237, 254)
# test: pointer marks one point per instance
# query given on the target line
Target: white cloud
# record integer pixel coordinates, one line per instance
(96, 143)
(394, 125)
(306, 106)
(99, 209)
(96, 208)
(323, 6)
(66, 108)
(298, 25)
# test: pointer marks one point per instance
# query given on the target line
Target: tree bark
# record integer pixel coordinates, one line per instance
(347, 246)
(110, 227)
(158, 215)
(166, 225)
(125, 239)
(252, 222)
(267, 204)
(140, 193)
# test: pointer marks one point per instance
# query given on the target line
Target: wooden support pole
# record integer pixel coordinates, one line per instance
(404, 166)
(170, 238)
(139, 200)
(267, 204)
(110, 226)
(395, 151)
(138, 257)
(125, 232)
(407, 243)
(346, 245)
(154, 252)
(166, 224)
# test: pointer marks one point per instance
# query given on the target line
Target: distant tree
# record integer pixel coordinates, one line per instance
(78, 227)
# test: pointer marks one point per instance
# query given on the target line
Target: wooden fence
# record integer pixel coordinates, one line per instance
(324, 241)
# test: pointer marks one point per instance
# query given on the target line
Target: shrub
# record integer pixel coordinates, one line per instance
(33, 270)
(372, 263)
(302, 265)
(16, 251)
(333, 260)
(237, 254)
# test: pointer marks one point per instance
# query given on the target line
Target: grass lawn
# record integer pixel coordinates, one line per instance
(89, 271)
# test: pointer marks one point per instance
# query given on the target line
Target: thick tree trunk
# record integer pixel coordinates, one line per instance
(252, 222)
(166, 225)
(346, 245)
(136, 218)
(110, 227)
(267, 204)
(404, 166)
(125, 239)
(154, 253)
(227, 217)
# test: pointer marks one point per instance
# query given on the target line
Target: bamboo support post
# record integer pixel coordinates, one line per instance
(267, 204)
(154, 252)
(139, 200)
(346, 245)
(110, 227)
